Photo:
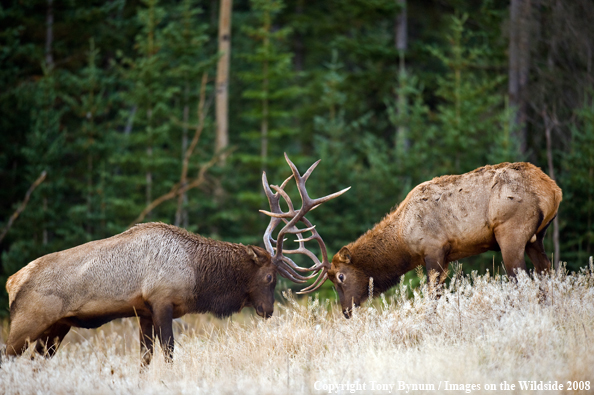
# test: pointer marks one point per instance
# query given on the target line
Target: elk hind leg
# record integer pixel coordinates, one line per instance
(537, 254)
(50, 339)
(147, 339)
(512, 244)
(163, 321)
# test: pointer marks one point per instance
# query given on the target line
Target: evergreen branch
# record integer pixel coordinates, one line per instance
(183, 185)
(19, 210)
(178, 189)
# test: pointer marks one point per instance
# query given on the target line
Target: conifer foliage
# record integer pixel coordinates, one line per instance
(114, 101)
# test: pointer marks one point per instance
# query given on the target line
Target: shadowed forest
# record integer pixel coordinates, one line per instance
(118, 112)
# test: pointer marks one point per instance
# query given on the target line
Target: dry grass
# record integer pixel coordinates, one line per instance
(483, 330)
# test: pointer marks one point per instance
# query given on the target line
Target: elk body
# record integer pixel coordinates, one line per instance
(154, 271)
(505, 207)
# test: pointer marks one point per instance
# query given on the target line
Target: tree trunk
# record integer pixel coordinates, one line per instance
(222, 82)
(265, 89)
(519, 66)
(149, 153)
(299, 49)
(401, 41)
(181, 215)
(49, 35)
(549, 124)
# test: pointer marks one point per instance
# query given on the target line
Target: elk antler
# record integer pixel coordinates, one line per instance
(287, 268)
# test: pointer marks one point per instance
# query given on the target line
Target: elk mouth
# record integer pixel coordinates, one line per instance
(264, 314)
(348, 312)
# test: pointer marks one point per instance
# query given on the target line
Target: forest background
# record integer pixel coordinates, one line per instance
(117, 112)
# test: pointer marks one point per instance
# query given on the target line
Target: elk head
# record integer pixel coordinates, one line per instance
(350, 282)
(286, 267)
(261, 288)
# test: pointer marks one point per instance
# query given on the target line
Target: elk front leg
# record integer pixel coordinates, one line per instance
(147, 338)
(50, 340)
(435, 263)
(22, 333)
(437, 269)
(163, 321)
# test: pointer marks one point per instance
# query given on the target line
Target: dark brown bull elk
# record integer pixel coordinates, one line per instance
(154, 271)
(505, 207)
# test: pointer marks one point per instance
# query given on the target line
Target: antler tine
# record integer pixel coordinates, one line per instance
(318, 201)
(317, 284)
(288, 268)
(310, 170)
(293, 268)
(268, 239)
(284, 184)
(285, 196)
(286, 274)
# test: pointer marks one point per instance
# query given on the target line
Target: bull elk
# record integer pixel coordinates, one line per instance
(505, 207)
(153, 271)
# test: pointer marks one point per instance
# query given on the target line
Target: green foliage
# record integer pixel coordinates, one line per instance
(471, 117)
(112, 117)
(577, 209)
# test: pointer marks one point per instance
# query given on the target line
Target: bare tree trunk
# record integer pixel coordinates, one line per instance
(88, 227)
(130, 122)
(265, 89)
(45, 235)
(401, 27)
(549, 125)
(49, 62)
(222, 81)
(149, 153)
(299, 49)
(264, 124)
(181, 215)
(519, 66)
(49, 35)
(401, 41)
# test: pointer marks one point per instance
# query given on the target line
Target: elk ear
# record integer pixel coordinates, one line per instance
(345, 255)
(259, 255)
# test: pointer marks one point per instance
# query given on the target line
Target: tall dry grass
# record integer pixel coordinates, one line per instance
(482, 330)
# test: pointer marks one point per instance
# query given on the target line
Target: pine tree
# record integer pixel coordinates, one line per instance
(469, 118)
(148, 159)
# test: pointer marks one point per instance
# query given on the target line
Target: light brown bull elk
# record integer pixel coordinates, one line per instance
(505, 207)
(286, 267)
(153, 271)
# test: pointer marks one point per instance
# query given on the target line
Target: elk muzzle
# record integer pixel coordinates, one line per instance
(264, 313)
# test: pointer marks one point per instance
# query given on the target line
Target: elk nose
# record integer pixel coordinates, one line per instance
(268, 315)
(347, 313)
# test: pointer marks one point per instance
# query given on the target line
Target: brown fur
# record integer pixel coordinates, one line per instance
(505, 207)
(155, 271)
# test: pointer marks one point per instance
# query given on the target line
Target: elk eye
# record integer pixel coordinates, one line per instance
(341, 277)
(269, 278)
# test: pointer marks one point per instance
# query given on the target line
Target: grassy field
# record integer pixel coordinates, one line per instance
(484, 335)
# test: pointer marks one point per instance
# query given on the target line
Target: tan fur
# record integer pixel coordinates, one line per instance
(154, 271)
(506, 206)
